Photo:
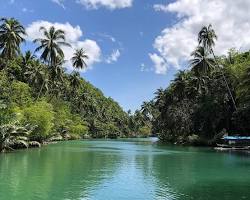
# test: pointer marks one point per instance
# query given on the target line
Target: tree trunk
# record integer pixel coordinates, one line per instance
(40, 91)
(226, 83)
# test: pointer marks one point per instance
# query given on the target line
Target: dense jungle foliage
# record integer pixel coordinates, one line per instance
(40, 101)
(210, 99)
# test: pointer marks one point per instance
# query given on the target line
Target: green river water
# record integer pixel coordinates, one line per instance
(123, 169)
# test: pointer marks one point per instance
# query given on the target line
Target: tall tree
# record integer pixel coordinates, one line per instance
(244, 89)
(11, 36)
(51, 44)
(180, 84)
(74, 81)
(146, 110)
(37, 77)
(206, 38)
(201, 63)
(27, 59)
(78, 59)
(159, 98)
(57, 77)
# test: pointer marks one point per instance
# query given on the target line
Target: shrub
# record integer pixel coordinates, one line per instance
(144, 131)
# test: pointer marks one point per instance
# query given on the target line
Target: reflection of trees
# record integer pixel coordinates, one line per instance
(199, 174)
(61, 171)
(81, 169)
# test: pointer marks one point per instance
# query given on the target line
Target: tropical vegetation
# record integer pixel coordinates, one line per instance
(41, 101)
(206, 101)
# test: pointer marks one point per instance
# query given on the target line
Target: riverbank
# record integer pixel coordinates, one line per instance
(59, 138)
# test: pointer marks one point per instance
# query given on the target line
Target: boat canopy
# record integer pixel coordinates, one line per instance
(236, 138)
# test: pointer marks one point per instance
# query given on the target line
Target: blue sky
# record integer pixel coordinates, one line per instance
(136, 46)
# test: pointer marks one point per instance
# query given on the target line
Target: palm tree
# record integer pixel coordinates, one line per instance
(74, 81)
(201, 63)
(33, 74)
(38, 77)
(160, 97)
(57, 72)
(206, 38)
(27, 58)
(78, 59)
(147, 110)
(244, 90)
(27, 62)
(180, 84)
(11, 37)
(45, 84)
(197, 84)
(51, 44)
(57, 76)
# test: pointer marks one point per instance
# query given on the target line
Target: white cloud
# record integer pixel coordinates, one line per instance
(59, 2)
(144, 68)
(160, 63)
(160, 7)
(110, 4)
(110, 37)
(25, 10)
(72, 35)
(229, 19)
(114, 56)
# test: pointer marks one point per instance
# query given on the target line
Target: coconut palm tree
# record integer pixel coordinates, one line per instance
(197, 84)
(34, 73)
(27, 58)
(11, 36)
(74, 81)
(206, 38)
(244, 90)
(45, 84)
(180, 84)
(27, 62)
(147, 110)
(51, 44)
(201, 63)
(38, 77)
(159, 97)
(78, 59)
(57, 76)
(57, 72)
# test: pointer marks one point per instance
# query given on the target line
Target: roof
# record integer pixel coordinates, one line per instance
(236, 138)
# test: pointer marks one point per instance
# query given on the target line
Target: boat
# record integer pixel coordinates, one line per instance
(234, 143)
(233, 148)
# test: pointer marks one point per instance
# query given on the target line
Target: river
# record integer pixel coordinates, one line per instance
(127, 169)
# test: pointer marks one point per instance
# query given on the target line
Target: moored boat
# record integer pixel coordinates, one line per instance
(235, 143)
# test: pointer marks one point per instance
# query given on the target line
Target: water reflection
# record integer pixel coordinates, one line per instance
(56, 172)
(127, 169)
